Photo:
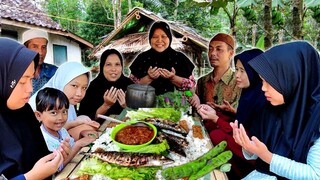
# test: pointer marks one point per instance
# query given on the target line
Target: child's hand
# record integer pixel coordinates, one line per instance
(86, 120)
(89, 133)
(65, 148)
(85, 141)
(93, 124)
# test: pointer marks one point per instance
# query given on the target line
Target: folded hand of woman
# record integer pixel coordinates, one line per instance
(45, 166)
(167, 74)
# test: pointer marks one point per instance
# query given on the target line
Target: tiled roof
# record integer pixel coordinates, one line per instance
(27, 11)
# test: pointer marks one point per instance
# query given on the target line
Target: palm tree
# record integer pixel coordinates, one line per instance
(297, 7)
(268, 24)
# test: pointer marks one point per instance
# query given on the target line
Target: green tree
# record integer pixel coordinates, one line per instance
(96, 13)
(67, 13)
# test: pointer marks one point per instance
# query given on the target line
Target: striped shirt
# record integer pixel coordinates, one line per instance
(290, 169)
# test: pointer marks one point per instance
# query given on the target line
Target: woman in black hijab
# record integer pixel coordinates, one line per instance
(287, 144)
(162, 67)
(106, 93)
(252, 99)
(23, 151)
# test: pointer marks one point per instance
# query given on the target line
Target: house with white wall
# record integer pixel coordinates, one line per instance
(18, 16)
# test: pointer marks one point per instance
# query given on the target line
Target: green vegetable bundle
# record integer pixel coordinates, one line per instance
(201, 166)
(93, 166)
(176, 99)
(162, 113)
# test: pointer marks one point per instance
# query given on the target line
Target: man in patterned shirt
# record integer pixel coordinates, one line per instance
(37, 40)
(218, 88)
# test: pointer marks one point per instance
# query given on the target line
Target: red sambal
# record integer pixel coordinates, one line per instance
(134, 135)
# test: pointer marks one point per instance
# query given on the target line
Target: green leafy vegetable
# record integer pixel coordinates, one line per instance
(176, 99)
(163, 113)
(94, 166)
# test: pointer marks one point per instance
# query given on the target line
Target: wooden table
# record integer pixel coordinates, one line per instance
(73, 166)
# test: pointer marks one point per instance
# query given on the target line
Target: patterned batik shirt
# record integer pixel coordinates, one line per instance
(46, 72)
(226, 88)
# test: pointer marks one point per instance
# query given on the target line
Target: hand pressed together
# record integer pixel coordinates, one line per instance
(112, 95)
(253, 145)
(167, 74)
(155, 73)
(225, 106)
(207, 113)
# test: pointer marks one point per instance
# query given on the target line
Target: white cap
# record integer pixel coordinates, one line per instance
(33, 33)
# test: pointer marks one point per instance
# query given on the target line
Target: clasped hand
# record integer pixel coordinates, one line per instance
(155, 73)
(253, 145)
(112, 95)
(207, 113)
(225, 106)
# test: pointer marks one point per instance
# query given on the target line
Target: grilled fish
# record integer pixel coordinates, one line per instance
(182, 141)
(176, 145)
(131, 159)
(167, 124)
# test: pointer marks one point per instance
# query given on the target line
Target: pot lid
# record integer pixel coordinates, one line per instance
(141, 87)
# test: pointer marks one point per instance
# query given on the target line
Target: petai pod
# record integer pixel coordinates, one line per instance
(192, 167)
(214, 151)
(213, 164)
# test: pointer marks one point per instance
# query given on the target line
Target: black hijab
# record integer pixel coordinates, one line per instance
(167, 59)
(164, 27)
(22, 143)
(94, 95)
(289, 130)
(252, 98)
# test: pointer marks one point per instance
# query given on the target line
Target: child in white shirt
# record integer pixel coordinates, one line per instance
(52, 111)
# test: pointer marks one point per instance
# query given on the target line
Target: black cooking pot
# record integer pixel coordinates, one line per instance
(140, 96)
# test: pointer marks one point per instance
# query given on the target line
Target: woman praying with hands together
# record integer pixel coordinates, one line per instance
(286, 143)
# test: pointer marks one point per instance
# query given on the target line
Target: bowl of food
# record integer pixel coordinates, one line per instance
(133, 135)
